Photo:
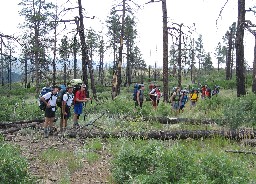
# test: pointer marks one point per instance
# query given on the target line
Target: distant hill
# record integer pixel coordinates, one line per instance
(15, 77)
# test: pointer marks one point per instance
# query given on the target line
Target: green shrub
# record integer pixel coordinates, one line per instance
(152, 163)
(240, 111)
(13, 167)
(15, 108)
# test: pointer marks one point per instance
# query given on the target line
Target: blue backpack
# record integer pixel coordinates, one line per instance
(136, 87)
(44, 90)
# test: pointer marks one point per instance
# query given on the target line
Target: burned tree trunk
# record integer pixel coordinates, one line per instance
(120, 54)
(254, 68)
(165, 52)
(240, 68)
(170, 135)
(85, 58)
(228, 62)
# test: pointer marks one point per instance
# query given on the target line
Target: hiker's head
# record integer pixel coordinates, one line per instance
(83, 87)
(141, 86)
(55, 89)
(69, 88)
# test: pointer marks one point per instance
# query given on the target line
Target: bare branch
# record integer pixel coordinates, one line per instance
(221, 12)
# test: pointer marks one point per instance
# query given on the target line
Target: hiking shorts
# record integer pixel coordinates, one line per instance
(193, 103)
(78, 108)
(175, 105)
(67, 110)
(181, 107)
(50, 112)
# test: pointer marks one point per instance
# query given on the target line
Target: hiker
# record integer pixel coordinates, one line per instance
(158, 93)
(193, 98)
(208, 92)
(135, 90)
(79, 99)
(153, 96)
(215, 91)
(203, 89)
(175, 100)
(183, 100)
(50, 100)
(67, 101)
(140, 96)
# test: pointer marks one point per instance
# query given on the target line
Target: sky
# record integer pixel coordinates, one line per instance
(202, 13)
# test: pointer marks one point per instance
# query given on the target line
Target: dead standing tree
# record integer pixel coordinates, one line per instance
(165, 50)
(85, 58)
(240, 68)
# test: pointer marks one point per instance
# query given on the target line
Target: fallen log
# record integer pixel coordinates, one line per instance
(238, 151)
(166, 120)
(166, 135)
(15, 129)
(16, 123)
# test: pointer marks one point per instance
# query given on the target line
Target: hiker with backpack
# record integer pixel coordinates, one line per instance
(158, 93)
(183, 100)
(175, 100)
(208, 92)
(203, 89)
(49, 99)
(140, 96)
(193, 98)
(79, 99)
(67, 101)
(153, 96)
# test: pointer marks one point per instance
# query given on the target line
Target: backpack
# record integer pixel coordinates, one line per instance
(75, 89)
(42, 105)
(136, 86)
(208, 92)
(60, 97)
(193, 97)
(176, 96)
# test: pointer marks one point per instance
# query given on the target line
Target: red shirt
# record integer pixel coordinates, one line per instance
(80, 95)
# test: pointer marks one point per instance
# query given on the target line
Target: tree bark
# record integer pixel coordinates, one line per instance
(228, 62)
(83, 44)
(165, 52)
(74, 54)
(240, 68)
(179, 57)
(92, 77)
(120, 54)
(254, 68)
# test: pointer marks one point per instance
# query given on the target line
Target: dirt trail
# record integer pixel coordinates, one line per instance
(75, 170)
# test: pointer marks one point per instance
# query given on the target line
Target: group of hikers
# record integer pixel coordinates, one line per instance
(178, 97)
(76, 95)
(71, 95)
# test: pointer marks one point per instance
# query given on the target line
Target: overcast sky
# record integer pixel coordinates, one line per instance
(203, 13)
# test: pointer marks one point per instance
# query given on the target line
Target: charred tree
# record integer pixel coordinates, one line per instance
(240, 68)
(165, 52)
(85, 58)
(120, 54)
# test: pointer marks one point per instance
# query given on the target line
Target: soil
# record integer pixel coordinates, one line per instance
(33, 144)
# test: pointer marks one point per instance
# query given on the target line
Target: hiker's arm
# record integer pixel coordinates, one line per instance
(64, 107)
(138, 97)
(43, 100)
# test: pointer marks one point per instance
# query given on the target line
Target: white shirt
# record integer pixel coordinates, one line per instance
(52, 98)
(68, 98)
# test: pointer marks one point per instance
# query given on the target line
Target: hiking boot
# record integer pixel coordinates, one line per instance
(50, 131)
(46, 133)
(76, 125)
